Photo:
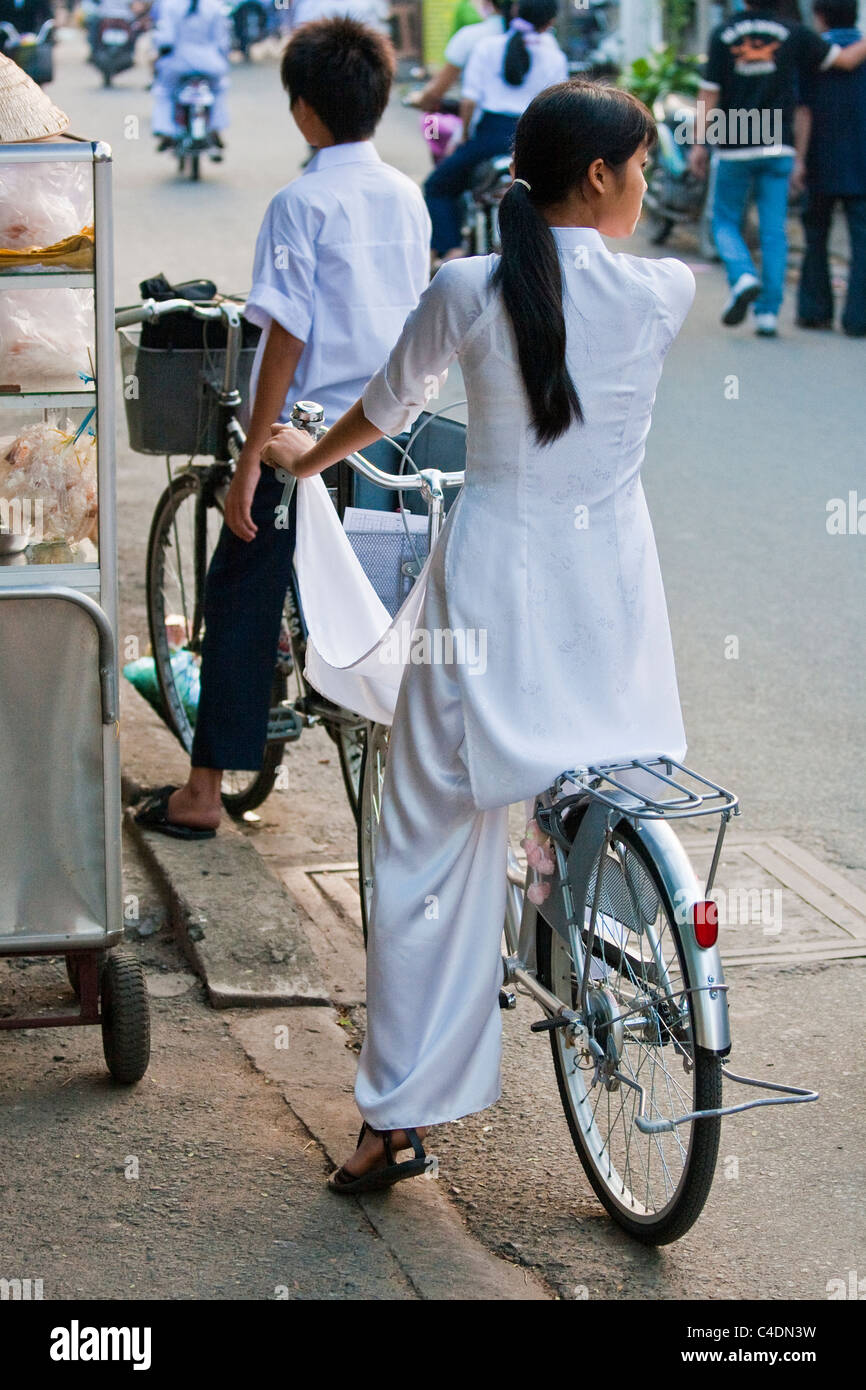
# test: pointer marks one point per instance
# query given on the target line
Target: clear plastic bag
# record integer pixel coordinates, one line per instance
(46, 337)
(41, 204)
(53, 476)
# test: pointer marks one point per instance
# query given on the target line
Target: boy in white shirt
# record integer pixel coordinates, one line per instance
(341, 260)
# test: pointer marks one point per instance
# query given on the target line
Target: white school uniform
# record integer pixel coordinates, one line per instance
(461, 44)
(341, 258)
(484, 84)
(549, 552)
(200, 43)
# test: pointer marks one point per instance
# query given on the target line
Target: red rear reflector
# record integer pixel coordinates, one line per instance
(705, 916)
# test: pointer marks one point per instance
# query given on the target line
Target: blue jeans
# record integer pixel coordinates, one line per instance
(493, 135)
(769, 177)
(816, 289)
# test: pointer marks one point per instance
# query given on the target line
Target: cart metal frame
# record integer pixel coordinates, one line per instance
(90, 590)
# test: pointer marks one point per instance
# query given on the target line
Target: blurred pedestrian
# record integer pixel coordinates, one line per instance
(835, 173)
(746, 106)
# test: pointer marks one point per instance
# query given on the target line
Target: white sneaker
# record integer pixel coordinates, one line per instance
(767, 325)
(744, 293)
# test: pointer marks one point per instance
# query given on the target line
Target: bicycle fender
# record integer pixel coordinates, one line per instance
(710, 1003)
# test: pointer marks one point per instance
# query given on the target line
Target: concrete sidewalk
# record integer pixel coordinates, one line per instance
(297, 976)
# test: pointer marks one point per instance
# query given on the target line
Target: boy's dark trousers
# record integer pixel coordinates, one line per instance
(816, 290)
(243, 606)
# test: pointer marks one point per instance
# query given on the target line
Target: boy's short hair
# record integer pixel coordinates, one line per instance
(837, 14)
(343, 70)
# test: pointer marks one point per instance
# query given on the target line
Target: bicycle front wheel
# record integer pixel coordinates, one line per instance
(640, 1011)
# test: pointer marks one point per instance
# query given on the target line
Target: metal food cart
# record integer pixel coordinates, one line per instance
(60, 812)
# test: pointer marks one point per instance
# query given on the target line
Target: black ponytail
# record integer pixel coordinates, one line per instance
(536, 14)
(560, 134)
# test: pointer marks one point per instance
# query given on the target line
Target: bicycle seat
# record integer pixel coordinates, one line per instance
(491, 174)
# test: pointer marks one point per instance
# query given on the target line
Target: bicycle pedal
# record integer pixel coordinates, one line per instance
(507, 999)
(284, 726)
(549, 1025)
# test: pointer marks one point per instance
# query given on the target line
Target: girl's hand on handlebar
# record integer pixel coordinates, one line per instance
(286, 448)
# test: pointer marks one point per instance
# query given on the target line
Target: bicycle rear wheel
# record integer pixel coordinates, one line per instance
(373, 762)
(639, 1011)
(183, 536)
(350, 740)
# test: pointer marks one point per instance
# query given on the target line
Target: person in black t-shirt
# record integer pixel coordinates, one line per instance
(746, 111)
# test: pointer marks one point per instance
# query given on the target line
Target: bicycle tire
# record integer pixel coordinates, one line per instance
(259, 788)
(373, 763)
(693, 1187)
(181, 488)
(351, 740)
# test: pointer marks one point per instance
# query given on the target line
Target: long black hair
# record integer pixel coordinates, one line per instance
(560, 134)
(538, 13)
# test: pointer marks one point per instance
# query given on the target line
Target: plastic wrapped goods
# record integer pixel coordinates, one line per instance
(41, 204)
(53, 476)
(46, 216)
(46, 337)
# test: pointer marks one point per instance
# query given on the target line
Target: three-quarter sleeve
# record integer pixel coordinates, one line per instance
(417, 366)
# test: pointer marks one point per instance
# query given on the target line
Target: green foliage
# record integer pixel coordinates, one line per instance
(677, 15)
(663, 70)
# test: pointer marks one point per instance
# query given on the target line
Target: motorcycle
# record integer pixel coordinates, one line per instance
(114, 38)
(490, 178)
(193, 101)
(490, 181)
(675, 196)
(34, 53)
(590, 40)
(252, 21)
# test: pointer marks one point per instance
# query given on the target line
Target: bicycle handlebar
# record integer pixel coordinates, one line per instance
(309, 416)
(152, 309)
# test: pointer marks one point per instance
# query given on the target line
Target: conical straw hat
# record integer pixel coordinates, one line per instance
(26, 113)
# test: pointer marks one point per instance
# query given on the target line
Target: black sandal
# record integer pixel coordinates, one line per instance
(348, 1184)
(153, 815)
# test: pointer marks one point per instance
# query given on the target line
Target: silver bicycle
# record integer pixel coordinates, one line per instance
(609, 931)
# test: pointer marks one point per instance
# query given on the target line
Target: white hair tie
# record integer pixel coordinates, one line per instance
(527, 186)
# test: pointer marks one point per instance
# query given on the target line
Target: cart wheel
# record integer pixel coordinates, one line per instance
(125, 1018)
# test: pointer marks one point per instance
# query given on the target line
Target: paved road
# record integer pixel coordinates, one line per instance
(738, 489)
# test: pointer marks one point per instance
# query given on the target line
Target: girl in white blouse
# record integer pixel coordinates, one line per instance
(502, 75)
(548, 552)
